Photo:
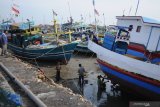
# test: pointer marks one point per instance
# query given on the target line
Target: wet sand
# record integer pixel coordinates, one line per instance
(70, 70)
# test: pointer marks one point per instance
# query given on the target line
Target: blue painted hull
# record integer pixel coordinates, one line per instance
(60, 53)
(151, 91)
(155, 60)
(136, 54)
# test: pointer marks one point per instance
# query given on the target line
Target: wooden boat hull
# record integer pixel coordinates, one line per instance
(129, 83)
(60, 53)
(132, 74)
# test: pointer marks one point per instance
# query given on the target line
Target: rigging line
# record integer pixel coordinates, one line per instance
(64, 55)
(36, 57)
(44, 53)
(36, 63)
(137, 8)
(74, 55)
(69, 9)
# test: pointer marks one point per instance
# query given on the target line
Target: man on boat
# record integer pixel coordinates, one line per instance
(95, 39)
(4, 42)
(81, 72)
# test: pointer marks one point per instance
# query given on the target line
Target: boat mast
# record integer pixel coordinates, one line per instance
(69, 32)
(137, 8)
(129, 11)
(104, 22)
(55, 25)
(69, 10)
(95, 17)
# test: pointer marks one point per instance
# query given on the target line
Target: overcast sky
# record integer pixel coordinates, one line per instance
(41, 10)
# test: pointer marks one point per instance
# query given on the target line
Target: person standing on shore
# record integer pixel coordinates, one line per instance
(81, 72)
(0, 39)
(4, 42)
(58, 68)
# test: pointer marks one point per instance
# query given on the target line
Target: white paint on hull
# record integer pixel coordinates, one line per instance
(124, 62)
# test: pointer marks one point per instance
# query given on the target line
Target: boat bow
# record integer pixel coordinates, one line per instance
(129, 64)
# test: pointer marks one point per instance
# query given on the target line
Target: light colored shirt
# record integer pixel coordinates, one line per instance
(4, 38)
(81, 71)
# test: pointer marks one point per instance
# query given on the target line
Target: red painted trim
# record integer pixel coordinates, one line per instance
(133, 75)
(141, 48)
(137, 47)
(153, 55)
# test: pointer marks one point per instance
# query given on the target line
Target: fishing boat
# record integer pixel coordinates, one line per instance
(83, 41)
(130, 63)
(80, 38)
(32, 47)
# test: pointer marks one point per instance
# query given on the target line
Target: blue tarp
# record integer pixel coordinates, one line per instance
(12, 98)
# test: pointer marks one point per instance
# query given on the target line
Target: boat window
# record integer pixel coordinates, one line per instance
(123, 33)
(138, 29)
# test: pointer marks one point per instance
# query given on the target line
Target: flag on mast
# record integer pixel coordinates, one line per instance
(54, 13)
(15, 9)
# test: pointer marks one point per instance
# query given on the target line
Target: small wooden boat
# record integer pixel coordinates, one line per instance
(41, 51)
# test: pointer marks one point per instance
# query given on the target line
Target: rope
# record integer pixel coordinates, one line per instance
(35, 59)
(44, 53)
(92, 55)
(64, 54)
(37, 66)
(76, 54)
(36, 63)
(37, 56)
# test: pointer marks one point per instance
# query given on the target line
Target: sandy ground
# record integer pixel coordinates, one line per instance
(69, 76)
(52, 94)
(70, 70)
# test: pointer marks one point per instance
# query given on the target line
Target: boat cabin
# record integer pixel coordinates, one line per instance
(118, 42)
(145, 31)
(20, 38)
